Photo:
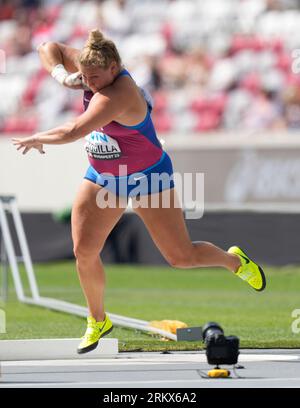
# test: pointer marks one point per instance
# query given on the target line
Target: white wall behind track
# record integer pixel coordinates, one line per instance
(49, 182)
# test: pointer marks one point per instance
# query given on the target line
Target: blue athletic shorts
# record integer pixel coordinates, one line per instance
(152, 180)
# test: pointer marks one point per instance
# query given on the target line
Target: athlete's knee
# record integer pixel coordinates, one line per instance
(85, 253)
(181, 259)
(79, 252)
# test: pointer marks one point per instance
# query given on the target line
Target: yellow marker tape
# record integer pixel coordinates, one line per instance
(219, 373)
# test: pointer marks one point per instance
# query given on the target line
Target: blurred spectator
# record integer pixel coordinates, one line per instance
(7, 9)
(263, 113)
(291, 99)
(116, 16)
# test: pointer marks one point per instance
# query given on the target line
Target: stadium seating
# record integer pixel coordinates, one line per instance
(208, 64)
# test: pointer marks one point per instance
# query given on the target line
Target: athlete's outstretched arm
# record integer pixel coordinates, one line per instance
(104, 107)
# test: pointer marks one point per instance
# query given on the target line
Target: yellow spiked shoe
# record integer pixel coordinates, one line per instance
(95, 330)
(249, 271)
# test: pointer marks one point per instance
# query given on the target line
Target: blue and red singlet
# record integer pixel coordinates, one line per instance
(128, 160)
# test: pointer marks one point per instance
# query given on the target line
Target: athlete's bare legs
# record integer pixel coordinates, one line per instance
(168, 230)
(91, 226)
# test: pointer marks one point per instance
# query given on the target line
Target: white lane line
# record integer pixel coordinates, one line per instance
(169, 359)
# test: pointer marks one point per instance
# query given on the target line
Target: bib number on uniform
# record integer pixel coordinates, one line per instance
(102, 147)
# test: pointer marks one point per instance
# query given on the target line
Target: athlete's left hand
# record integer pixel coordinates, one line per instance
(28, 143)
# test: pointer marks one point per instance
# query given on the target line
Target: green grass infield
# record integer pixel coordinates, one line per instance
(197, 296)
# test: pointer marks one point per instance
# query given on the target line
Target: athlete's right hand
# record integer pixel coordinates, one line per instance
(28, 143)
(72, 81)
(75, 81)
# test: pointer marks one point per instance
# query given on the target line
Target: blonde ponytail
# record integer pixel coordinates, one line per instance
(99, 51)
